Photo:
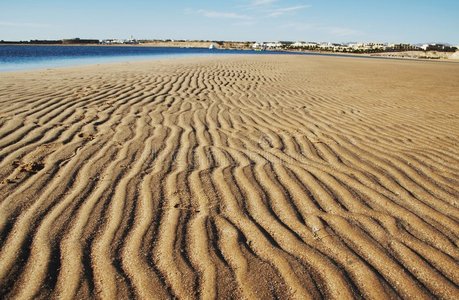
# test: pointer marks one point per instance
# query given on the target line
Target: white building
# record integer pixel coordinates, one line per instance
(258, 46)
(274, 45)
(304, 45)
(424, 47)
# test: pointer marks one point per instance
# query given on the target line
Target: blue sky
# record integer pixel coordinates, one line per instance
(255, 20)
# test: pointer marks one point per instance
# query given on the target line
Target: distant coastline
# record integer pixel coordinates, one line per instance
(410, 55)
(401, 51)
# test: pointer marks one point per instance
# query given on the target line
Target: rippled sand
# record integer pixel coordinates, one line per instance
(231, 177)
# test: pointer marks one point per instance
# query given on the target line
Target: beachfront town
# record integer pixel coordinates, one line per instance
(354, 47)
(349, 47)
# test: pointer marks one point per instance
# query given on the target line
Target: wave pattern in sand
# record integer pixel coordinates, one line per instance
(253, 177)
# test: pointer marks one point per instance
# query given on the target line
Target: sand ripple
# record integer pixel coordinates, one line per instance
(245, 177)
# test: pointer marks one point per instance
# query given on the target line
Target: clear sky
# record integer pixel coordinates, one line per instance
(413, 21)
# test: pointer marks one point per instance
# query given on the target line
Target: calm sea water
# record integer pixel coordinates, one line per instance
(25, 57)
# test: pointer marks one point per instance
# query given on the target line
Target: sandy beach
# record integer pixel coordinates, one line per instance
(256, 177)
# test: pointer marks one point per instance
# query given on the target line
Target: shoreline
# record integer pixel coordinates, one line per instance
(83, 67)
(126, 59)
(102, 63)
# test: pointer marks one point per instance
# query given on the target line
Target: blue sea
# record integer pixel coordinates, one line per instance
(27, 57)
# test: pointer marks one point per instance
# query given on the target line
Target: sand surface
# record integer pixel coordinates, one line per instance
(255, 177)
(452, 56)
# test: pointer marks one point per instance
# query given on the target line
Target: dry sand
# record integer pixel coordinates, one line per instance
(231, 177)
(420, 55)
